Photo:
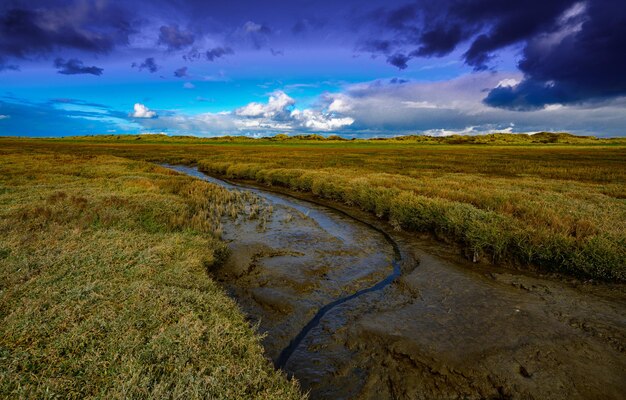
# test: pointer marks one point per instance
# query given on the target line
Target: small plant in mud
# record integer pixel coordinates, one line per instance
(258, 210)
(253, 211)
(219, 231)
(395, 224)
(304, 215)
(262, 225)
(232, 211)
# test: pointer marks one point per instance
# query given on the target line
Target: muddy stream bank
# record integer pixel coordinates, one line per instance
(353, 309)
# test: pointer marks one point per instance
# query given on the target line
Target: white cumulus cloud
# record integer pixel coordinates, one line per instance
(141, 111)
(278, 114)
(319, 121)
(277, 105)
(339, 105)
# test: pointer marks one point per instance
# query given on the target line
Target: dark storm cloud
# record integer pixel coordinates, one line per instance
(398, 81)
(399, 60)
(209, 55)
(276, 53)
(587, 63)
(439, 41)
(74, 66)
(572, 51)
(181, 72)
(427, 29)
(566, 56)
(193, 55)
(174, 38)
(513, 22)
(148, 64)
(38, 28)
(218, 52)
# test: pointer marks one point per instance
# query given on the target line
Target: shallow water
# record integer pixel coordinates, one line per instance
(354, 312)
(308, 262)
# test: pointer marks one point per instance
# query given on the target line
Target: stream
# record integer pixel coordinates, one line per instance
(353, 309)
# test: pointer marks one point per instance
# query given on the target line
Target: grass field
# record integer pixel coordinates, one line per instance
(558, 204)
(554, 206)
(104, 291)
(560, 209)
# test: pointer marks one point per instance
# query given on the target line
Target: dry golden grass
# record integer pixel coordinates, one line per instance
(559, 207)
(567, 226)
(104, 291)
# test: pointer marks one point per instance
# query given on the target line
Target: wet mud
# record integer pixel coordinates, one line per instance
(353, 309)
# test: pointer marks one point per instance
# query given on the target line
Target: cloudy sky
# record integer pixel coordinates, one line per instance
(355, 68)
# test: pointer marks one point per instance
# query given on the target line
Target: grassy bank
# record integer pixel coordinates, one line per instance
(558, 204)
(568, 226)
(104, 291)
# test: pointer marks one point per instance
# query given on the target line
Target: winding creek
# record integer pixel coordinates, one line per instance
(354, 311)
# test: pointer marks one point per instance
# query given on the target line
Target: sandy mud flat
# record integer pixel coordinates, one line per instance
(354, 309)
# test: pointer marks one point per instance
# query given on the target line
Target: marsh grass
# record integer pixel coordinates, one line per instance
(104, 290)
(549, 201)
(563, 226)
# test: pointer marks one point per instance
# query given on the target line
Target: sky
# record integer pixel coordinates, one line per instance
(354, 68)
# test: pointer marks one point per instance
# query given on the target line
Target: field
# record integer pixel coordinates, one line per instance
(559, 209)
(103, 285)
(104, 290)
(556, 203)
